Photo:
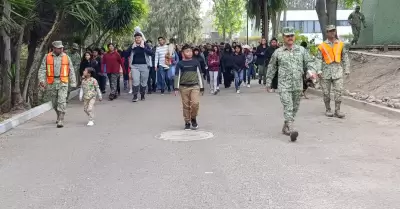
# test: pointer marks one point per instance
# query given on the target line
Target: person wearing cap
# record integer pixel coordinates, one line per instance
(289, 61)
(332, 63)
(140, 58)
(355, 20)
(76, 60)
(55, 74)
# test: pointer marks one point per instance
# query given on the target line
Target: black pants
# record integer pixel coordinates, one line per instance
(151, 82)
(118, 85)
(228, 77)
(102, 80)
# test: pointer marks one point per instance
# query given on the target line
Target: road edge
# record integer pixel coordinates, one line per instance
(21, 118)
(370, 107)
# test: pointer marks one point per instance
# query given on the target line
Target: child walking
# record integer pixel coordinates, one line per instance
(89, 90)
(189, 83)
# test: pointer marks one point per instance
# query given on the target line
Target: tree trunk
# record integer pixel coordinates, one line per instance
(5, 61)
(284, 18)
(266, 20)
(320, 8)
(278, 23)
(39, 54)
(331, 8)
(16, 97)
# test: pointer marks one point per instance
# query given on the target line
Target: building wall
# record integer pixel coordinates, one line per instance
(383, 22)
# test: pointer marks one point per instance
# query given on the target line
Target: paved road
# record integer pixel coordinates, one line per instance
(120, 164)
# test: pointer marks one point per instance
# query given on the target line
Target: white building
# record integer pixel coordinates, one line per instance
(307, 22)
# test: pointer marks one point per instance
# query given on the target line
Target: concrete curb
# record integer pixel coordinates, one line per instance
(27, 115)
(376, 55)
(379, 109)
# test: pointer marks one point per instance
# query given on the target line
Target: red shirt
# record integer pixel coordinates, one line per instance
(113, 62)
(213, 62)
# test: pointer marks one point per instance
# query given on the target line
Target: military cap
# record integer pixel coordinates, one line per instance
(330, 27)
(75, 46)
(57, 44)
(288, 31)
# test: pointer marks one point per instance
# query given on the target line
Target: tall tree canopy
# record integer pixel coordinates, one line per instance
(173, 19)
(228, 16)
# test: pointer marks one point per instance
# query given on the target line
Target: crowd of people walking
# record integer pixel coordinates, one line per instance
(147, 69)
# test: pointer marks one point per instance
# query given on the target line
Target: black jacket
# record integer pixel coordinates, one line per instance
(201, 61)
(270, 51)
(227, 61)
(89, 63)
(239, 61)
(261, 55)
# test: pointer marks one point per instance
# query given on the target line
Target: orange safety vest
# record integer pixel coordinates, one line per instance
(331, 54)
(64, 72)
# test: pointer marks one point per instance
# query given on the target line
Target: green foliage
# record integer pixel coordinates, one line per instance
(350, 3)
(228, 15)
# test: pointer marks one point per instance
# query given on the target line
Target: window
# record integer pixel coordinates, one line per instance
(342, 23)
(317, 27)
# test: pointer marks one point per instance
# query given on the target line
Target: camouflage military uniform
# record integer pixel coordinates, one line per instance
(76, 61)
(89, 90)
(332, 75)
(57, 91)
(355, 19)
(290, 64)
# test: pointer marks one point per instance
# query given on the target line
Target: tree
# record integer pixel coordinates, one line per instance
(326, 11)
(228, 16)
(265, 10)
(169, 18)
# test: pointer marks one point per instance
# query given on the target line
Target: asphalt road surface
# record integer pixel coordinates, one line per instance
(121, 163)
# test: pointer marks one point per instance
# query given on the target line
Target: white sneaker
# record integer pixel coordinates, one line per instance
(238, 91)
(90, 123)
(212, 92)
(130, 91)
(248, 85)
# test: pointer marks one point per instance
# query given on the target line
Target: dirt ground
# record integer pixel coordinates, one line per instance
(377, 76)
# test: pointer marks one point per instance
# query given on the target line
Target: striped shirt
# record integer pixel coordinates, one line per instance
(160, 56)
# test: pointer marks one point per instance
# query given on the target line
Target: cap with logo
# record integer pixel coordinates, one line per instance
(287, 31)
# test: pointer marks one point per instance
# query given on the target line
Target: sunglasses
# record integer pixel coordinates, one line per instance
(289, 36)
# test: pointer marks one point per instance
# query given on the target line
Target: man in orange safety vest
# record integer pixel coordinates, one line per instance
(55, 73)
(332, 64)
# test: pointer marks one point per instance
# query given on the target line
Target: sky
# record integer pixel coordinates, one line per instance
(205, 6)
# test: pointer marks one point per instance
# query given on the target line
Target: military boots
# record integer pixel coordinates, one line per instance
(328, 111)
(60, 122)
(285, 129)
(58, 116)
(292, 132)
(338, 114)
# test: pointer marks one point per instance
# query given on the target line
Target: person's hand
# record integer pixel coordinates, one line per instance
(155, 68)
(319, 75)
(100, 99)
(202, 91)
(176, 92)
(142, 44)
(80, 99)
(262, 53)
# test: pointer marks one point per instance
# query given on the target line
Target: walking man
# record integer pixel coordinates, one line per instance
(162, 63)
(355, 20)
(289, 61)
(332, 62)
(140, 63)
(55, 73)
(260, 61)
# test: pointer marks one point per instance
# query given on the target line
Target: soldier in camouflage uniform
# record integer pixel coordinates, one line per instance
(76, 60)
(289, 61)
(332, 62)
(355, 20)
(55, 74)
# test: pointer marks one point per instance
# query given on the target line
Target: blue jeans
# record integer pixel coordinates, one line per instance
(250, 73)
(162, 79)
(238, 78)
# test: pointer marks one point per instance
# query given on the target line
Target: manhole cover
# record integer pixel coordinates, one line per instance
(184, 136)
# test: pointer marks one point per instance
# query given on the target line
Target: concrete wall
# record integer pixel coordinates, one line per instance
(383, 22)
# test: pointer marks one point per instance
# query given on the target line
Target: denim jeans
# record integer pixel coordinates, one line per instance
(238, 78)
(162, 79)
(250, 73)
